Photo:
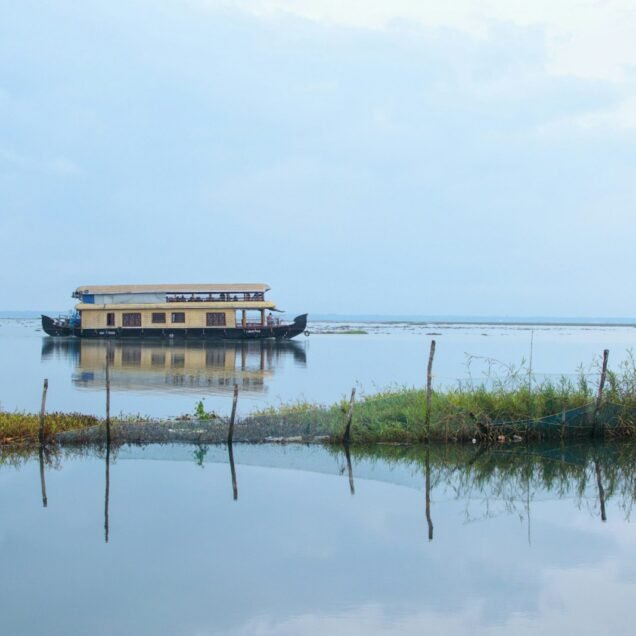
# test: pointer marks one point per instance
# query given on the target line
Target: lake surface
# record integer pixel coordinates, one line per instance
(454, 540)
(164, 379)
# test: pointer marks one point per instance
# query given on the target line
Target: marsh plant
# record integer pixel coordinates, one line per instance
(505, 400)
(200, 412)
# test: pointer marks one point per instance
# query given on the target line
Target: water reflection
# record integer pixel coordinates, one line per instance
(107, 495)
(45, 499)
(232, 472)
(491, 481)
(164, 366)
(176, 528)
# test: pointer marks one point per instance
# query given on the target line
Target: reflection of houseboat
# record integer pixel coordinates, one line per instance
(174, 311)
(181, 365)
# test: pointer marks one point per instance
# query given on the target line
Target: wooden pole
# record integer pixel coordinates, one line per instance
(429, 520)
(42, 409)
(233, 471)
(563, 420)
(107, 496)
(45, 499)
(601, 490)
(108, 350)
(107, 488)
(346, 438)
(599, 397)
(429, 389)
(352, 487)
(230, 433)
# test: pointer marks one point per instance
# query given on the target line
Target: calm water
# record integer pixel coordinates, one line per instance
(511, 542)
(167, 379)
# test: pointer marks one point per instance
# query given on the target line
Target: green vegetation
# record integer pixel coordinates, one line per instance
(24, 427)
(201, 414)
(346, 331)
(511, 407)
(502, 477)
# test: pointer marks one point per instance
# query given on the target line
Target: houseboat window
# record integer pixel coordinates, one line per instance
(178, 316)
(178, 361)
(215, 319)
(158, 318)
(131, 356)
(158, 359)
(131, 320)
(215, 358)
(110, 319)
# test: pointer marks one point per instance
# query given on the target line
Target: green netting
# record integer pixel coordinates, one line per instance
(583, 417)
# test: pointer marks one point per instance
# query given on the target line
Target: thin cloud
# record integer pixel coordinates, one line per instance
(582, 38)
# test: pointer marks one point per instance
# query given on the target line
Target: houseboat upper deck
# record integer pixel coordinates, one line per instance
(230, 311)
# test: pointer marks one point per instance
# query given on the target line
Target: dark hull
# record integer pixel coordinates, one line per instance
(280, 332)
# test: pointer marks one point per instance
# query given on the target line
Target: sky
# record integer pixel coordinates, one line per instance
(459, 157)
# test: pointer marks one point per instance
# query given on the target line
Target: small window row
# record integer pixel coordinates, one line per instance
(133, 319)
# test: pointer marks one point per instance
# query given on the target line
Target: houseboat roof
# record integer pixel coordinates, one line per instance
(172, 288)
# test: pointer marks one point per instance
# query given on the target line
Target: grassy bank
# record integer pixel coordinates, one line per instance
(513, 407)
(509, 409)
(24, 427)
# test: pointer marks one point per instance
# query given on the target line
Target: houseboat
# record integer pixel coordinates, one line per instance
(226, 311)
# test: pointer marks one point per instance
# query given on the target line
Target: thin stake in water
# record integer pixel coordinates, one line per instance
(230, 433)
(346, 438)
(429, 388)
(599, 397)
(42, 409)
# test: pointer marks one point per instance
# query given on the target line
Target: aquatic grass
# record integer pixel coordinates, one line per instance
(20, 427)
(512, 405)
(507, 475)
(345, 331)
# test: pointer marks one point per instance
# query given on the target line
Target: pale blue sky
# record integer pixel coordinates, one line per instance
(360, 157)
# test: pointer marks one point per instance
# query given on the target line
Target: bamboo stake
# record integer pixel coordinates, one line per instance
(45, 500)
(107, 496)
(563, 423)
(108, 438)
(42, 409)
(352, 488)
(230, 433)
(346, 438)
(233, 472)
(429, 390)
(599, 397)
(601, 490)
(108, 349)
(429, 520)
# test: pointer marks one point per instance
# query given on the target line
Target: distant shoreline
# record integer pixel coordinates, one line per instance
(511, 322)
(522, 321)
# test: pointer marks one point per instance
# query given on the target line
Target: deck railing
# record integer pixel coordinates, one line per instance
(219, 297)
